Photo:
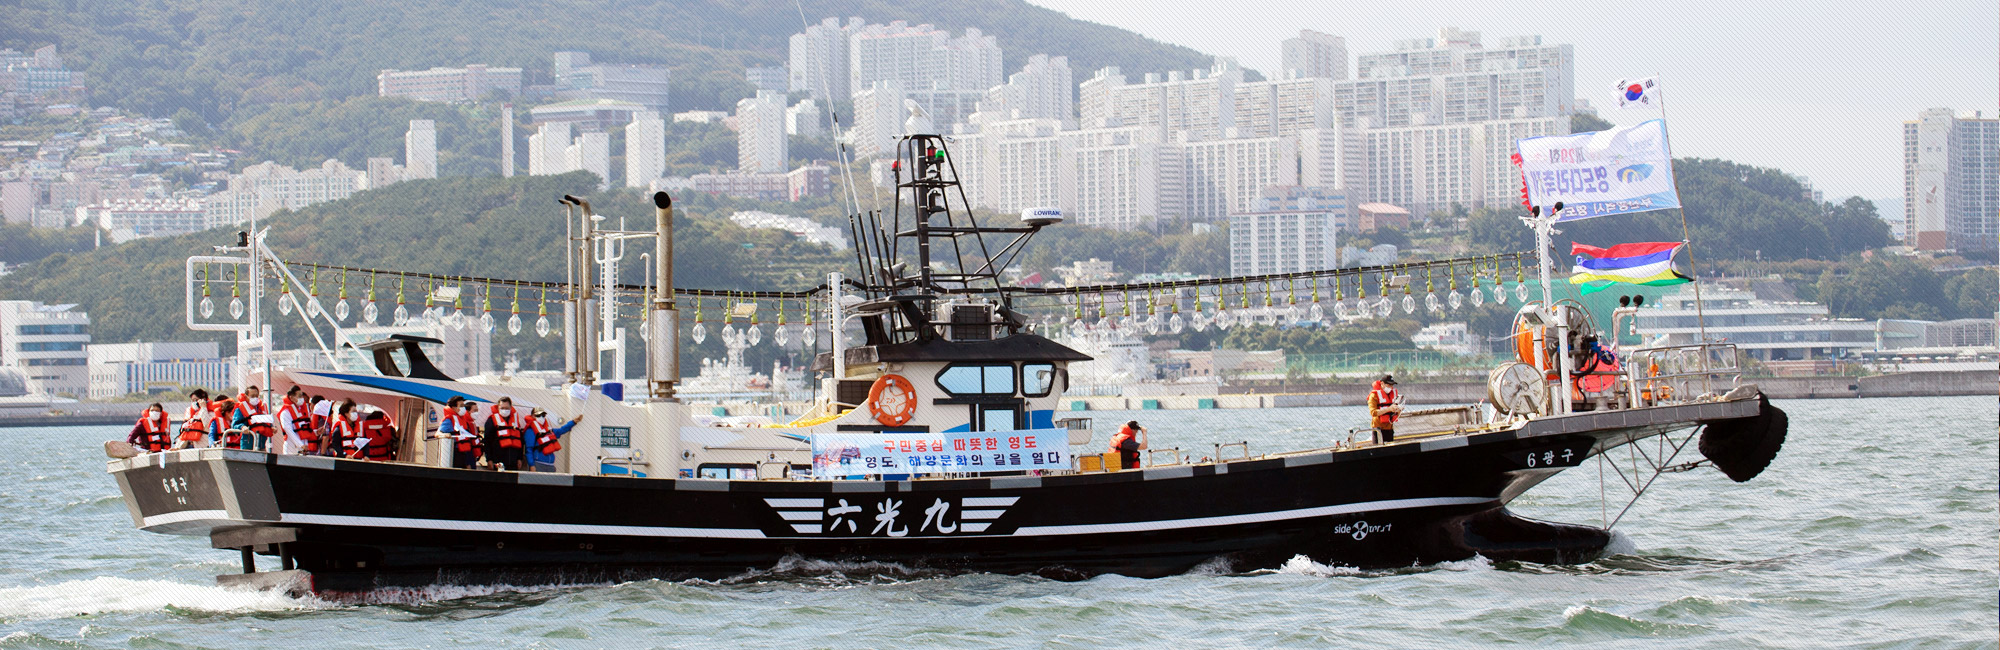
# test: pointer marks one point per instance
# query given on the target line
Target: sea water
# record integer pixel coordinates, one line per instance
(1874, 528)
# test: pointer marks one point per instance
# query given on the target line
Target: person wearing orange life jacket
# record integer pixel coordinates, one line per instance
(378, 437)
(257, 431)
(503, 435)
(546, 441)
(321, 421)
(455, 424)
(345, 429)
(154, 432)
(221, 431)
(1128, 442)
(1384, 407)
(294, 421)
(195, 425)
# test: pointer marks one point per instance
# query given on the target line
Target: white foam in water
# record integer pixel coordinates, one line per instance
(107, 595)
(1620, 544)
(1305, 566)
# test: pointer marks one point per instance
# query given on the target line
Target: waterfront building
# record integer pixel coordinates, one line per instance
(1951, 181)
(118, 369)
(45, 343)
(1763, 329)
(449, 84)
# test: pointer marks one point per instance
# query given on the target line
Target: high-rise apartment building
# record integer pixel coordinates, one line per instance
(760, 133)
(645, 149)
(1201, 103)
(1290, 229)
(449, 84)
(777, 79)
(818, 59)
(804, 119)
(1453, 79)
(1951, 181)
(267, 187)
(1225, 176)
(922, 56)
(506, 140)
(591, 153)
(1042, 89)
(420, 150)
(1424, 168)
(878, 120)
(1122, 178)
(1313, 55)
(45, 343)
(124, 221)
(1283, 107)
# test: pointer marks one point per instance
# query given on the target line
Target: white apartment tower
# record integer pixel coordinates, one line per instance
(878, 119)
(1225, 176)
(1454, 78)
(645, 149)
(1951, 180)
(1424, 168)
(1283, 107)
(507, 140)
(545, 149)
(1314, 55)
(1042, 89)
(922, 56)
(591, 153)
(420, 150)
(803, 119)
(760, 133)
(1201, 102)
(818, 59)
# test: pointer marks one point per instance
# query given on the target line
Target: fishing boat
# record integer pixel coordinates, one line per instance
(938, 439)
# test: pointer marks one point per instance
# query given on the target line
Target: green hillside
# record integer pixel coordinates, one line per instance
(217, 57)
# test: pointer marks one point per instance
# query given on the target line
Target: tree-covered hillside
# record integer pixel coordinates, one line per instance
(216, 57)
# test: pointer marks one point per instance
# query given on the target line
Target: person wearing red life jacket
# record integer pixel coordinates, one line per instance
(154, 432)
(504, 436)
(378, 437)
(1384, 407)
(545, 441)
(455, 425)
(294, 421)
(222, 430)
(346, 429)
(257, 431)
(321, 422)
(1128, 442)
(195, 425)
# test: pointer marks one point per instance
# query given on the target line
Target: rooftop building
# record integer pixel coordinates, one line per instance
(577, 78)
(45, 343)
(1951, 181)
(465, 84)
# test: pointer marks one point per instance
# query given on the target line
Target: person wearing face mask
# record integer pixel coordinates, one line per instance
(294, 423)
(321, 421)
(195, 425)
(545, 441)
(154, 432)
(346, 429)
(257, 430)
(455, 425)
(221, 431)
(503, 435)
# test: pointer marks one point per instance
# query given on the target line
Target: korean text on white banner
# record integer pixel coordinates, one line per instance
(873, 454)
(1619, 171)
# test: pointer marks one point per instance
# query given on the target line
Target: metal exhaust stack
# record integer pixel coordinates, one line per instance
(582, 331)
(569, 279)
(664, 363)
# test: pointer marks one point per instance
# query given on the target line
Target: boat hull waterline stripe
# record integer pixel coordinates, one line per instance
(184, 516)
(746, 533)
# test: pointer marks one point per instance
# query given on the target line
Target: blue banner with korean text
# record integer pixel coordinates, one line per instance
(963, 452)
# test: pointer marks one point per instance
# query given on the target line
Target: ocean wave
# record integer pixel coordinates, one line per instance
(1591, 620)
(106, 595)
(1302, 565)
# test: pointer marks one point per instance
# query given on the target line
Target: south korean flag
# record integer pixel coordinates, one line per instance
(1638, 93)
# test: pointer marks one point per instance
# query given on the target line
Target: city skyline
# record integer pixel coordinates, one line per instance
(1799, 109)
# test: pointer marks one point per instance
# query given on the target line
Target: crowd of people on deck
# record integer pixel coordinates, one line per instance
(501, 437)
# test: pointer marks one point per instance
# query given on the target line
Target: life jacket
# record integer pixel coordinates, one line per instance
(1384, 397)
(346, 437)
(464, 440)
(377, 437)
(220, 413)
(508, 428)
(245, 409)
(1124, 433)
(302, 424)
(196, 424)
(158, 432)
(546, 441)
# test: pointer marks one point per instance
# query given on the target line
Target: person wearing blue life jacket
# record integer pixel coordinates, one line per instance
(544, 442)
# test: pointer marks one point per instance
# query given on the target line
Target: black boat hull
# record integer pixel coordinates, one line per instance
(359, 527)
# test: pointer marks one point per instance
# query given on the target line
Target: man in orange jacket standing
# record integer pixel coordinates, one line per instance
(1128, 442)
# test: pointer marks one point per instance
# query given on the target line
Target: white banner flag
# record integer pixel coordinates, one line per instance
(1603, 173)
(1638, 93)
(873, 454)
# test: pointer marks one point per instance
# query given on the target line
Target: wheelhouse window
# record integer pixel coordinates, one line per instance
(1037, 379)
(978, 379)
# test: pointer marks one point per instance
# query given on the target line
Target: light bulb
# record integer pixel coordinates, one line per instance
(402, 315)
(457, 320)
(808, 336)
(1316, 313)
(341, 311)
(755, 335)
(1176, 324)
(370, 314)
(699, 333)
(1386, 307)
(285, 304)
(1456, 300)
(781, 336)
(1478, 297)
(1200, 322)
(1153, 325)
(542, 327)
(1340, 311)
(312, 307)
(486, 322)
(1432, 303)
(514, 324)
(1409, 304)
(728, 334)
(1499, 295)
(235, 307)
(207, 307)
(1224, 320)
(433, 316)
(1521, 291)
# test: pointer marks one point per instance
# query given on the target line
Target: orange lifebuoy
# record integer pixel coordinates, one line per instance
(892, 400)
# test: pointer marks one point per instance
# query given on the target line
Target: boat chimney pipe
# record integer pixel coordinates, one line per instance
(664, 362)
(569, 286)
(583, 328)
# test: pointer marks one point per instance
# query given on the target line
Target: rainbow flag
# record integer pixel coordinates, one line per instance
(1644, 263)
